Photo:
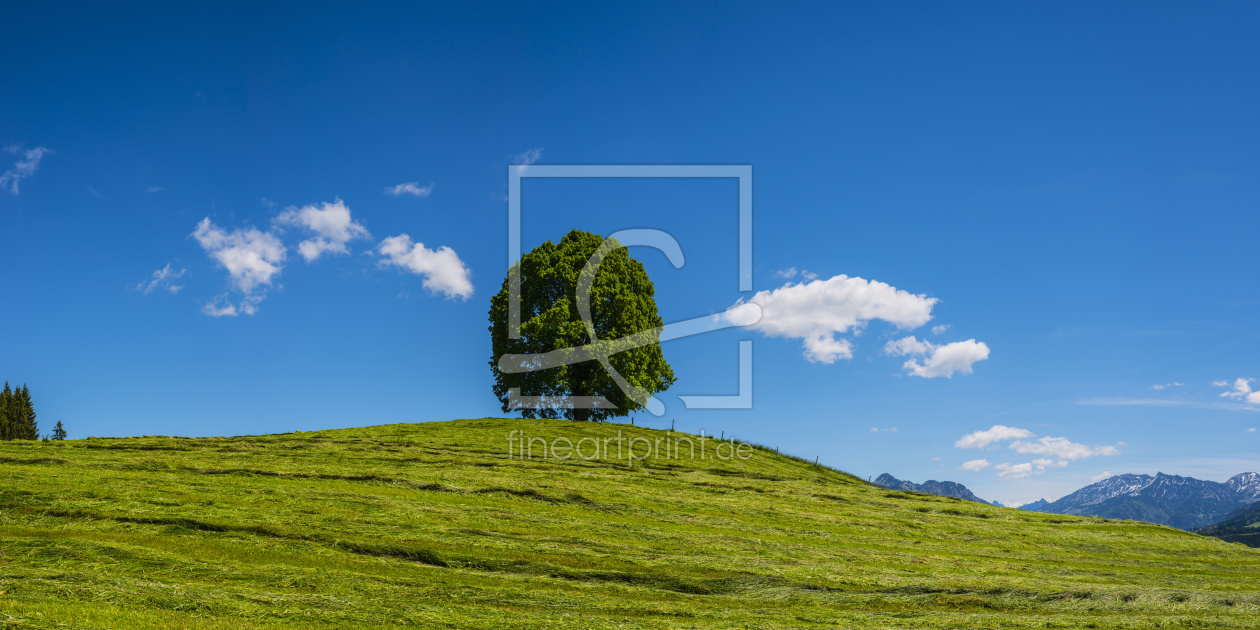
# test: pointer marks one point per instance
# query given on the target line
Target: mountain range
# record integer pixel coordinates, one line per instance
(931, 486)
(1181, 502)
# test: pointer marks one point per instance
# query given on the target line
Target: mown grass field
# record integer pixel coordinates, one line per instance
(432, 525)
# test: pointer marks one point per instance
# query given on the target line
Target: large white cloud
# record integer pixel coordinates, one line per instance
(817, 311)
(26, 166)
(251, 258)
(442, 269)
(330, 222)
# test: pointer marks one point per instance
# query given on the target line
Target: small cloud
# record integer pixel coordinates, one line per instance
(1165, 386)
(330, 222)
(1251, 430)
(1100, 476)
(163, 278)
(1014, 471)
(951, 358)
(791, 272)
(1242, 389)
(940, 329)
(410, 188)
(974, 465)
(27, 164)
(999, 432)
(1061, 448)
(874, 430)
(153, 189)
(522, 161)
(251, 258)
(442, 269)
(936, 459)
(95, 193)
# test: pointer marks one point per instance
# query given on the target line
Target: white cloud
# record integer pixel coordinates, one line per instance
(786, 274)
(975, 465)
(1242, 389)
(1043, 463)
(523, 160)
(442, 269)
(162, 278)
(1251, 430)
(1015, 471)
(26, 166)
(1100, 476)
(410, 188)
(817, 311)
(1058, 452)
(945, 360)
(908, 345)
(999, 432)
(1027, 469)
(222, 306)
(1061, 448)
(154, 189)
(251, 258)
(940, 329)
(330, 222)
(1165, 386)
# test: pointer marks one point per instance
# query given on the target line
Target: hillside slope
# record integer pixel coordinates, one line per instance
(432, 525)
(1242, 526)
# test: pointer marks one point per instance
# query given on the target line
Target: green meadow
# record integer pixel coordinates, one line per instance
(434, 526)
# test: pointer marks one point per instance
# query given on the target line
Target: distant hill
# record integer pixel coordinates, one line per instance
(1241, 526)
(1181, 502)
(931, 486)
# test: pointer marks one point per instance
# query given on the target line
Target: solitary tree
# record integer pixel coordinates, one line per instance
(59, 432)
(623, 330)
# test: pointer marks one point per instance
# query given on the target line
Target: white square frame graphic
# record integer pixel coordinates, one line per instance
(742, 172)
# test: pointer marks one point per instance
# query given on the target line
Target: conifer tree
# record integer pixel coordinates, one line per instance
(59, 432)
(6, 413)
(27, 428)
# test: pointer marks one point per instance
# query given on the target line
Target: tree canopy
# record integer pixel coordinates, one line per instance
(623, 320)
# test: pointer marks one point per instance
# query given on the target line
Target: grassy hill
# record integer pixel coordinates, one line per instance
(432, 525)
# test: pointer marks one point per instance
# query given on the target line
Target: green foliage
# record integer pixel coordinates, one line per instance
(17, 414)
(433, 526)
(7, 413)
(623, 305)
(25, 427)
(59, 432)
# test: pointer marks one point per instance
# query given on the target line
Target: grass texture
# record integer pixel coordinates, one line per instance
(433, 526)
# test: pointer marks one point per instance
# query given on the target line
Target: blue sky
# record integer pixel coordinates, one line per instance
(1072, 186)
